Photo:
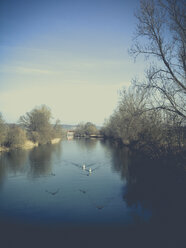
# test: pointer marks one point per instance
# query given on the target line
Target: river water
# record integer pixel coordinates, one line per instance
(88, 190)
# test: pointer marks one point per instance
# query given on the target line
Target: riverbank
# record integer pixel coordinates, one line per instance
(4, 149)
(27, 145)
(91, 136)
(150, 150)
(55, 141)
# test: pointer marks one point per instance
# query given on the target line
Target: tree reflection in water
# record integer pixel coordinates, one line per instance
(86, 144)
(3, 166)
(35, 162)
(13, 163)
(159, 186)
(155, 185)
(16, 160)
(40, 161)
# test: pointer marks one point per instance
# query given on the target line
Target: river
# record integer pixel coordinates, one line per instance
(86, 191)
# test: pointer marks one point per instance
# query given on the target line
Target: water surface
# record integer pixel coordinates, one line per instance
(49, 186)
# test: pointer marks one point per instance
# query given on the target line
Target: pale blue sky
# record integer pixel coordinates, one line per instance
(69, 55)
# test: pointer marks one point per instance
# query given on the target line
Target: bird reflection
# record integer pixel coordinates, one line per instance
(82, 191)
(87, 168)
(84, 166)
(52, 193)
(89, 171)
(99, 207)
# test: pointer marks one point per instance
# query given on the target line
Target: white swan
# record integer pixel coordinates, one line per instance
(84, 167)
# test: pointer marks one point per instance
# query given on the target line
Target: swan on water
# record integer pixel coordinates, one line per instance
(83, 167)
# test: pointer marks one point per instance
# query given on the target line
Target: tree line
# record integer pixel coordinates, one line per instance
(86, 129)
(35, 126)
(151, 114)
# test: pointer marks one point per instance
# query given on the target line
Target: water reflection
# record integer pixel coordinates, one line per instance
(86, 144)
(16, 160)
(34, 163)
(120, 158)
(147, 197)
(161, 187)
(154, 183)
(3, 166)
(12, 164)
(156, 190)
(121, 161)
(41, 160)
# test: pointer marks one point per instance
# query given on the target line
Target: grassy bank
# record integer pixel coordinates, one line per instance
(27, 145)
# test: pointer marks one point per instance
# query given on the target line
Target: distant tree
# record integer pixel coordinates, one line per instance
(86, 129)
(80, 131)
(90, 128)
(3, 130)
(38, 124)
(161, 37)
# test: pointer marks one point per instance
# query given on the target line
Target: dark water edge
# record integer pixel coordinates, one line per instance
(157, 185)
(22, 235)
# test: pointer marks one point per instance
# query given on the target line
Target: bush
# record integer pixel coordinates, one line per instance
(16, 137)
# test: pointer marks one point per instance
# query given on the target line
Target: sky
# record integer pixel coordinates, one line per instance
(71, 55)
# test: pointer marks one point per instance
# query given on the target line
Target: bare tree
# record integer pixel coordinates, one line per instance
(129, 118)
(38, 125)
(161, 36)
(134, 123)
